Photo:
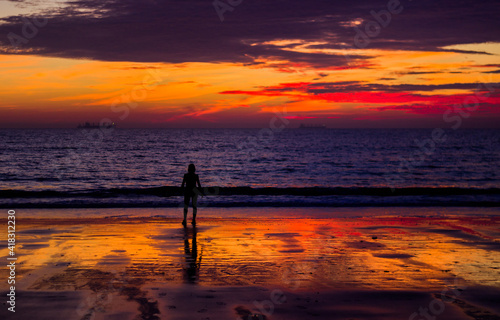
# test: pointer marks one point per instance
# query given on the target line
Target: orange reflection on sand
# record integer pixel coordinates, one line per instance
(296, 254)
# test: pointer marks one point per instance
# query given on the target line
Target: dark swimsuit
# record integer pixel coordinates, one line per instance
(190, 191)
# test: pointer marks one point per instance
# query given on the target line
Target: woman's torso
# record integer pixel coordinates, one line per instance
(190, 179)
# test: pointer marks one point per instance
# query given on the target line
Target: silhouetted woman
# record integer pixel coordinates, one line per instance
(190, 181)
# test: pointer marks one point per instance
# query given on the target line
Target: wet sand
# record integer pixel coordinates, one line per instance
(446, 267)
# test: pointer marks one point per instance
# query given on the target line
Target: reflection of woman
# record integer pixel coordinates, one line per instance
(192, 269)
(191, 180)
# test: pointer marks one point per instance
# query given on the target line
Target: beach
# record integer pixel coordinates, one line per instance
(282, 263)
(339, 159)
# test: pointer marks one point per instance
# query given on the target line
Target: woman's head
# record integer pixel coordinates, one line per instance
(191, 168)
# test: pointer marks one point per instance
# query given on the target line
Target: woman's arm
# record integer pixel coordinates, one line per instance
(199, 185)
(198, 181)
(183, 181)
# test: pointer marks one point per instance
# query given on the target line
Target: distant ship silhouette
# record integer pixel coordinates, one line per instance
(88, 125)
(312, 126)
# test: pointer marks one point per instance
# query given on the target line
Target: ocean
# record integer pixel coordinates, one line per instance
(80, 168)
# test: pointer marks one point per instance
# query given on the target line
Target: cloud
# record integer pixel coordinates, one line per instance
(424, 109)
(190, 31)
(355, 86)
(348, 87)
(398, 97)
(300, 117)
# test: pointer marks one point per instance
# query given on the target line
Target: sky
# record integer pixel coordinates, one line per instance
(239, 63)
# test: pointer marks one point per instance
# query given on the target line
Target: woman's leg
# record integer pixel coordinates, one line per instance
(195, 206)
(186, 205)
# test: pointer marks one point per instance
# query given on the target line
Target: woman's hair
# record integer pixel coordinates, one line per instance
(191, 168)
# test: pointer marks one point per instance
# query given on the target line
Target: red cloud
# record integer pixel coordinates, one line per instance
(423, 109)
(302, 90)
(401, 97)
(300, 117)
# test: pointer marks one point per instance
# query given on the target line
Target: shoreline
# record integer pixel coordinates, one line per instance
(254, 197)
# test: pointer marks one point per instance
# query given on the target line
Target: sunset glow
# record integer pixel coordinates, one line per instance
(327, 78)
